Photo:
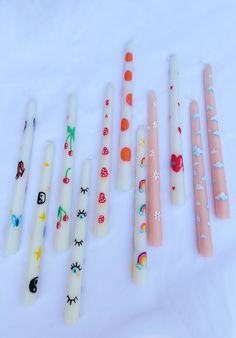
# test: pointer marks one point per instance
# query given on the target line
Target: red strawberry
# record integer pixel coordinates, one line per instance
(105, 151)
(101, 198)
(176, 162)
(101, 219)
(58, 225)
(173, 187)
(179, 130)
(104, 172)
(65, 218)
(105, 131)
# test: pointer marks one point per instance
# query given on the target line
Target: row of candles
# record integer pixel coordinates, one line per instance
(147, 209)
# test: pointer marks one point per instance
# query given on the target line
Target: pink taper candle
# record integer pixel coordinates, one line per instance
(154, 201)
(199, 183)
(220, 192)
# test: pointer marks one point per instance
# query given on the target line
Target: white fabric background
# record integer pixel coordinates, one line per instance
(50, 48)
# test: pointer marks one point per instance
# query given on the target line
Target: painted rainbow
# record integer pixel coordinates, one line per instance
(142, 260)
(142, 163)
(142, 185)
(142, 210)
(143, 227)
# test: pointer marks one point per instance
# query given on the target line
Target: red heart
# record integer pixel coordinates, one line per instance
(173, 187)
(179, 130)
(105, 131)
(178, 104)
(101, 198)
(104, 172)
(176, 162)
(105, 151)
(101, 219)
(171, 87)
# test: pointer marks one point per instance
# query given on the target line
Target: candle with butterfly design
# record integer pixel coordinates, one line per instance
(200, 188)
(65, 199)
(125, 146)
(177, 164)
(20, 188)
(73, 299)
(102, 203)
(36, 240)
(140, 222)
(220, 191)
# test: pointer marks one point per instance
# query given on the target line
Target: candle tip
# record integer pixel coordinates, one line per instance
(129, 46)
(31, 109)
(72, 105)
(109, 89)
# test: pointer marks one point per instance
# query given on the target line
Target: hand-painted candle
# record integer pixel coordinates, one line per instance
(19, 192)
(36, 243)
(199, 185)
(154, 200)
(140, 226)
(220, 192)
(125, 147)
(101, 213)
(73, 299)
(176, 159)
(65, 199)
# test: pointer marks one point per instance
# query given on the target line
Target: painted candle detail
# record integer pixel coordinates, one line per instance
(200, 189)
(154, 199)
(176, 157)
(220, 191)
(102, 200)
(125, 147)
(65, 198)
(21, 177)
(140, 235)
(36, 243)
(72, 306)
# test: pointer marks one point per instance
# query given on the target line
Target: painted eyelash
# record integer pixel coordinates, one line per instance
(83, 191)
(75, 266)
(71, 300)
(81, 214)
(79, 243)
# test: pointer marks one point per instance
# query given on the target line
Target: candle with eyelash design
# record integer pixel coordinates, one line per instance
(36, 240)
(102, 204)
(125, 152)
(220, 191)
(177, 164)
(140, 223)
(16, 214)
(65, 199)
(200, 188)
(72, 307)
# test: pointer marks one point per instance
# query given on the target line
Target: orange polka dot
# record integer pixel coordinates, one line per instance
(128, 75)
(128, 57)
(129, 99)
(124, 124)
(125, 154)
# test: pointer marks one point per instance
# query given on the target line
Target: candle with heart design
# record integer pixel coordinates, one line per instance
(19, 192)
(65, 198)
(154, 199)
(204, 240)
(36, 239)
(176, 160)
(102, 203)
(140, 222)
(125, 146)
(220, 191)
(73, 298)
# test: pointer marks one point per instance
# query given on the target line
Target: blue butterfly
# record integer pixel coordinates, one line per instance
(16, 221)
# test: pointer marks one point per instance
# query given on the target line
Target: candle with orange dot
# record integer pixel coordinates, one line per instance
(125, 147)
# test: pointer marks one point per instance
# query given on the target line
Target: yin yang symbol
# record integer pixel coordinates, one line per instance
(41, 197)
(33, 284)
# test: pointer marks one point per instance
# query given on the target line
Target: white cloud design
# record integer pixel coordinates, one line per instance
(221, 197)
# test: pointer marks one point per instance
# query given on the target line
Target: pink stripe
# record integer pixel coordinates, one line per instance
(154, 202)
(199, 183)
(220, 191)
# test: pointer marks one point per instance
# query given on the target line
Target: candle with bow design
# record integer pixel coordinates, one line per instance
(199, 183)
(36, 240)
(220, 191)
(102, 201)
(19, 192)
(73, 299)
(140, 222)
(177, 164)
(125, 146)
(65, 198)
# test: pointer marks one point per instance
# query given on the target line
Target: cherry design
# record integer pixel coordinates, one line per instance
(61, 216)
(104, 172)
(69, 140)
(101, 219)
(176, 162)
(105, 131)
(102, 198)
(66, 179)
(105, 151)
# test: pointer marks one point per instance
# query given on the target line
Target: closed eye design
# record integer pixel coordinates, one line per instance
(75, 268)
(83, 191)
(71, 300)
(81, 214)
(79, 243)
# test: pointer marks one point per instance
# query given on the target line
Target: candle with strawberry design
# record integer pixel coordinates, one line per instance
(176, 151)
(102, 200)
(65, 198)
(19, 192)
